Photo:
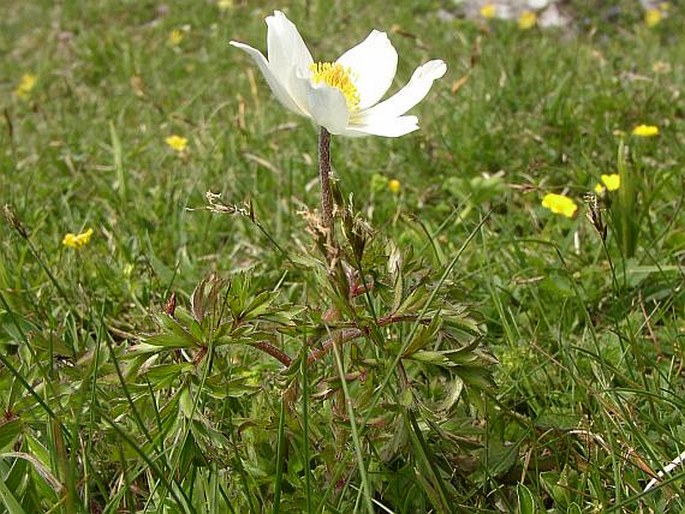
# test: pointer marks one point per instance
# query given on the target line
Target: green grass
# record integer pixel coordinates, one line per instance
(512, 361)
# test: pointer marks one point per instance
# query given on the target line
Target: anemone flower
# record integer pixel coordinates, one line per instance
(342, 96)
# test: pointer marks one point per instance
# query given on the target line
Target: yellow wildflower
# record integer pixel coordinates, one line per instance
(224, 5)
(665, 6)
(527, 20)
(394, 186)
(599, 189)
(612, 182)
(175, 37)
(177, 143)
(77, 240)
(646, 131)
(560, 204)
(28, 81)
(653, 17)
(488, 10)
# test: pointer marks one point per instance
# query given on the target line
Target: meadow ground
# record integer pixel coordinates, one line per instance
(469, 351)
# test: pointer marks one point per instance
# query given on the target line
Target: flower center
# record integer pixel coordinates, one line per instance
(339, 77)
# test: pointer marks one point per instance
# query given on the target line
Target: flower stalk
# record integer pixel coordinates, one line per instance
(324, 178)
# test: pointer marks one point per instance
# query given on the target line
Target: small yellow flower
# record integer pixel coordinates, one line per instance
(599, 189)
(653, 17)
(665, 6)
(394, 186)
(612, 182)
(177, 143)
(28, 81)
(175, 37)
(560, 204)
(646, 131)
(527, 20)
(224, 5)
(77, 240)
(488, 10)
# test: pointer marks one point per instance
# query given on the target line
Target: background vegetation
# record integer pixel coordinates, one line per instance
(506, 358)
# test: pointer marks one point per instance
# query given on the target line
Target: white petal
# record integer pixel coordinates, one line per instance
(386, 127)
(407, 97)
(373, 63)
(288, 55)
(328, 108)
(289, 58)
(279, 89)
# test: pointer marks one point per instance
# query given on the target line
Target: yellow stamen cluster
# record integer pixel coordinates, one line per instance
(339, 77)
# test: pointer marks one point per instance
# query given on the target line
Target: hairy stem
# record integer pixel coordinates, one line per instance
(276, 353)
(324, 175)
(343, 336)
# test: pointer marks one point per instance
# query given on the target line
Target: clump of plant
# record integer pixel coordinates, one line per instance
(373, 358)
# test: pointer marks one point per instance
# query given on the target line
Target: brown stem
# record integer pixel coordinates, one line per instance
(345, 335)
(276, 353)
(388, 320)
(324, 174)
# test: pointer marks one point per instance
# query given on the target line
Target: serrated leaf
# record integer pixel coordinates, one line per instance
(431, 357)
(414, 302)
(464, 355)
(171, 341)
(140, 349)
(455, 389)
(173, 329)
(167, 372)
(205, 432)
(258, 306)
(424, 336)
(461, 321)
(197, 300)
(479, 377)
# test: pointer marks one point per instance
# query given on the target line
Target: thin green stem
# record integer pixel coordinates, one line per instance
(305, 428)
(353, 428)
(280, 458)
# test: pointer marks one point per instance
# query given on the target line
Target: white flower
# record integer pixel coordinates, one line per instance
(342, 96)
